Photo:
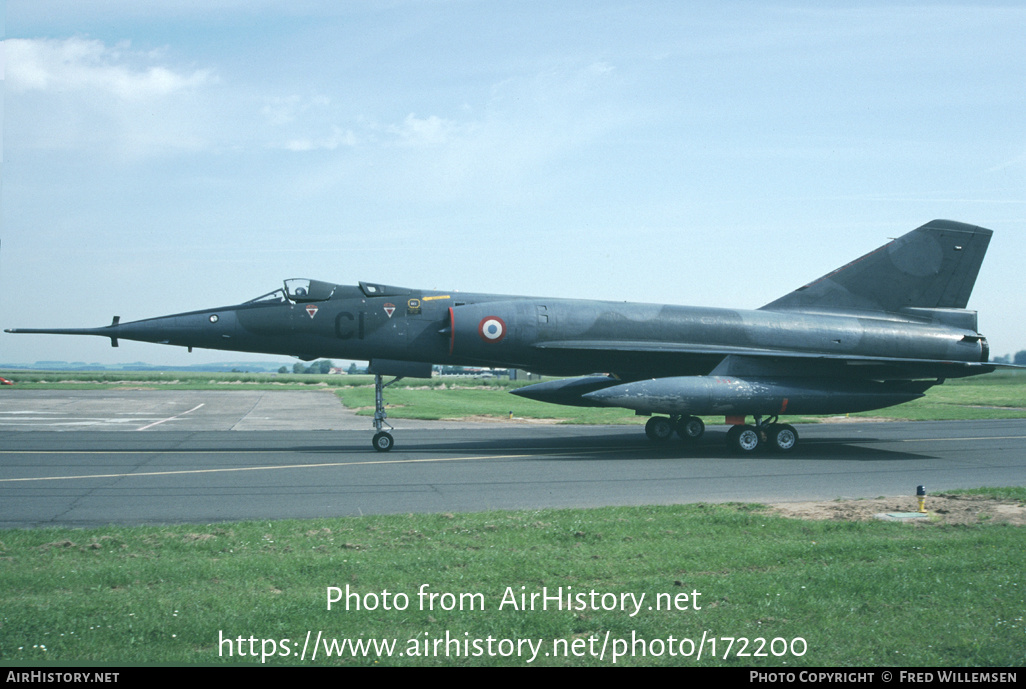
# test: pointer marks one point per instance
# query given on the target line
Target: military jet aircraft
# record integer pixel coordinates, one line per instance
(876, 332)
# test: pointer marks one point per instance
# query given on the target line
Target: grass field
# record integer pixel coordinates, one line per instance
(764, 591)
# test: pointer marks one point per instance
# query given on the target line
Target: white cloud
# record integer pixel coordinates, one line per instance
(504, 149)
(1015, 162)
(429, 131)
(79, 64)
(338, 137)
(282, 111)
(83, 94)
(529, 124)
(302, 124)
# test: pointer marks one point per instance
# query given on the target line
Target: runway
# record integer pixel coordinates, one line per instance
(87, 458)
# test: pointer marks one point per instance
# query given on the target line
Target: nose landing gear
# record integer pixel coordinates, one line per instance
(383, 440)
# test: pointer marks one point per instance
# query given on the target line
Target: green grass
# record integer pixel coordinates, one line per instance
(464, 399)
(999, 395)
(859, 594)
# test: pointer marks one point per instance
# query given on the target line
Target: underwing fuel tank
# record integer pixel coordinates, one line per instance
(729, 395)
(569, 391)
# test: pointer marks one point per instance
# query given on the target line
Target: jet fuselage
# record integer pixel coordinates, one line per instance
(631, 340)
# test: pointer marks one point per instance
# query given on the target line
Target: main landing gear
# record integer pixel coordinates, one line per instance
(660, 428)
(383, 440)
(744, 439)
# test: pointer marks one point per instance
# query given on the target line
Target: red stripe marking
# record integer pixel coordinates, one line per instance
(452, 330)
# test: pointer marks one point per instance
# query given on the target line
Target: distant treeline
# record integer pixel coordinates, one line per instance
(321, 367)
(1019, 358)
(229, 367)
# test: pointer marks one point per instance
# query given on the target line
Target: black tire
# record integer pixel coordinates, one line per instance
(691, 428)
(783, 437)
(659, 429)
(744, 439)
(383, 442)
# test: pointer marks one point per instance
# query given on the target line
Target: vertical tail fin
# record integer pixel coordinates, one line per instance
(932, 267)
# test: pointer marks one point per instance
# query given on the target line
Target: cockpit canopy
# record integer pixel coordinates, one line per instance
(300, 291)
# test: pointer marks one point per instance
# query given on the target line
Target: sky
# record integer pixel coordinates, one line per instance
(171, 155)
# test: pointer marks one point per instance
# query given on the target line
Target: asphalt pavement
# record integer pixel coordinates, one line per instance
(85, 458)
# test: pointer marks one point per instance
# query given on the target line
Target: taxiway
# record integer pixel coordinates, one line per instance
(85, 458)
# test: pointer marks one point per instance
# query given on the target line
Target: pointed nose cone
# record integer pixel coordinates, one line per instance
(208, 329)
(571, 391)
(213, 329)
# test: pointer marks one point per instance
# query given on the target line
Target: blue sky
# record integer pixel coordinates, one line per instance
(166, 156)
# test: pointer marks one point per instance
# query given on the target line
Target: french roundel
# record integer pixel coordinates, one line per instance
(492, 329)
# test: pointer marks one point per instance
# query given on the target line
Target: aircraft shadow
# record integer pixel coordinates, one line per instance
(623, 446)
(604, 444)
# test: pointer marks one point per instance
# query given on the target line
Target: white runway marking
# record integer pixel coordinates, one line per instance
(172, 418)
(320, 465)
(9, 419)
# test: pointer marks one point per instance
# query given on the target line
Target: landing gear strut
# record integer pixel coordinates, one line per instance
(383, 440)
(781, 437)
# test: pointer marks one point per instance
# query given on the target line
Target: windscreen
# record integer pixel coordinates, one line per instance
(301, 290)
